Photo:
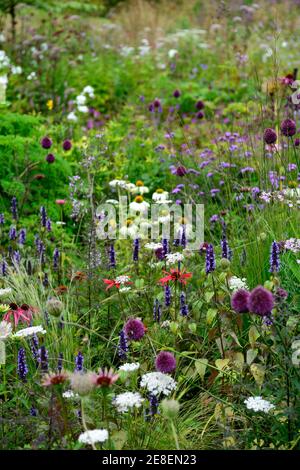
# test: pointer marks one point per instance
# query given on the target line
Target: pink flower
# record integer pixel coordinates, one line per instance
(60, 202)
(23, 314)
(105, 378)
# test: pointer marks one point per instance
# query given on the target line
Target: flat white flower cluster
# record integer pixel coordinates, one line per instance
(93, 436)
(122, 279)
(30, 331)
(237, 283)
(258, 404)
(130, 367)
(128, 400)
(157, 383)
(292, 244)
(173, 258)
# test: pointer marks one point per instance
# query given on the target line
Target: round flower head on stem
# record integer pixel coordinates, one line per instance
(134, 329)
(165, 362)
(239, 301)
(270, 136)
(105, 378)
(260, 301)
(67, 145)
(50, 158)
(288, 127)
(46, 142)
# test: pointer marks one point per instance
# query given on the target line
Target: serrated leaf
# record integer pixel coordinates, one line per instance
(201, 366)
(251, 355)
(210, 315)
(253, 335)
(258, 371)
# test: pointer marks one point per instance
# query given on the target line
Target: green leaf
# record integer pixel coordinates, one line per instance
(253, 335)
(251, 355)
(211, 314)
(201, 366)
(119, 438)
(208, 296)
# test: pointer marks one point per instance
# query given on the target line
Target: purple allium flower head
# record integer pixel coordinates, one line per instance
(122, 346)
(136, 249)
(43, 358)
(176, 94)
(46, 142)
(288, 127)
(200, 115)
(199, 105)
(2, 220)
(14, 208)
(50, 158)
(134, 329)
(260, 301)
(159, 254)
(270, 136)
(112, 256)
(67, 145)
(22, 366)
(274, 258)
(43, 214)
(60, 362)
(210, 261)
(184, 309)
(239, 301)
(167, 295)
(79, 362)
(157, 103)
(297, 142)
(56, 258)
(165, 362)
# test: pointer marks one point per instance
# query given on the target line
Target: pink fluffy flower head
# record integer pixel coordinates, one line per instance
(165, 362)
(239, 301)
(260, 301)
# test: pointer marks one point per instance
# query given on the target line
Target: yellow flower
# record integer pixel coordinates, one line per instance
(50, 105)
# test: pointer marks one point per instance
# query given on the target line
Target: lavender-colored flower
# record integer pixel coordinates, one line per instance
(2, 220)
(165, 362)
(56, 256)
(46, 142)
(239, 301)
(43, 358)
(153, 400)
(181, 170)
(165, 246)
(79, 362)
(274, 258)
(3, 268)
(167, 295)
(288, 127)
(112, 256)
(17, 257)
(34, 346)
(136, 249)
(12, 233)
(226, 251)
(210, 261)
(184, 309)
(183, 240)
(261, 301)
(60, 362)
(134, 329)
(22, 236)
(41, 249)
(270, 136)
(43, 214)
(46, 280)
(48, 225)
(122, 346)
(22, 366)
(156, 311)
(14, 208)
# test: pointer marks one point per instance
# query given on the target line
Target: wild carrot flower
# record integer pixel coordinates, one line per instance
(134, 329)
(158, 383)
(127, 401)
(165, 362)
(93, 436)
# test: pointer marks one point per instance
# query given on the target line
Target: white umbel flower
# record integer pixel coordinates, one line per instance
(6, 291)
(153, 246)
(157, 383)
(173, 258)
(72, 117)
(130, 367)
(236, 283)
(30, 331)
(258, 404)
(122, 279)
(69, 394)
(80, 100)
(93, 436)
(128, 400)
(5, 330)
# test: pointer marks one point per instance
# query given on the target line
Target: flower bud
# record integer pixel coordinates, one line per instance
(170, 408)
(54, 307)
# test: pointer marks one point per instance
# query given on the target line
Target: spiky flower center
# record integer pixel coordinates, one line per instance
(139, 183)
(139, 199)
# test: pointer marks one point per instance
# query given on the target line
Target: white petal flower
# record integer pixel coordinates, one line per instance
(130, 367)
(83, 109)
(236, 283)
(69, 394)
(93, 436)
(139, 206)
(157, 383)
(160, 195)
(153, 246)
(80, 100)
(72, 117)
(258, 404)
(5, 330)
(30, 331)
(115, 183)
(128, 400)
(173, 258)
